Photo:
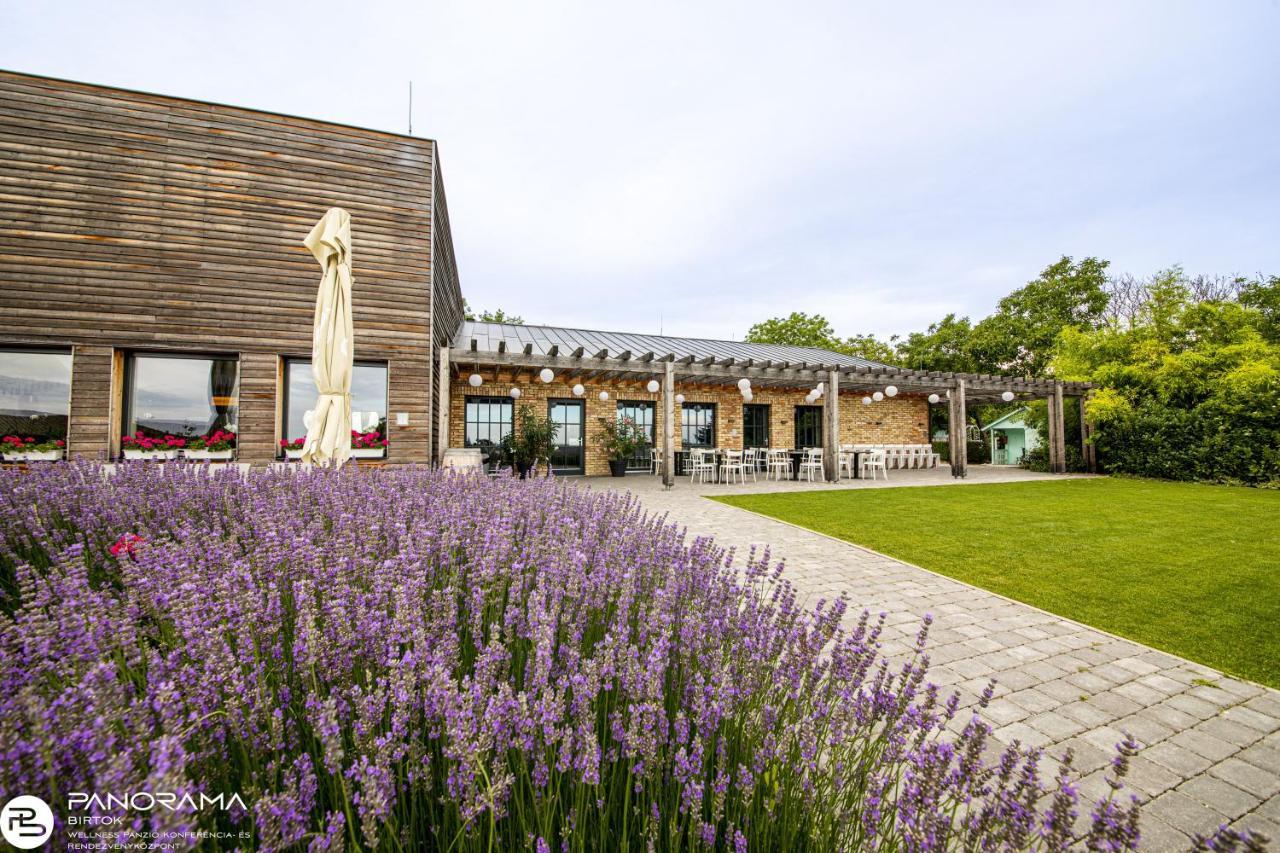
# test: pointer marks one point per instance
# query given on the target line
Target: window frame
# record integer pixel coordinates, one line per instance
(288, 360)
(642, 460)
(796, 426)
(468, 399)
(129, 378)
(767, 412)
(69, 353)
(685, 424)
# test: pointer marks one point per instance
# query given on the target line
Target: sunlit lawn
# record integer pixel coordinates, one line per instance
(1191, 569)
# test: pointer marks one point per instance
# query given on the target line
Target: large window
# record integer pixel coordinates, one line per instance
(641, 414)
(488, 421)
(183, 396)
(368, 398)
(808, 427)
(35, 394)
(755, 425)
(698, 425)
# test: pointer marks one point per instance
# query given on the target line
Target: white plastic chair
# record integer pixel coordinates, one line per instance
(701, 463)
(655, 461)
(779, 463)
(873, 461)
(846, 463)
(731, 464)
(812, 463)
(751, 461)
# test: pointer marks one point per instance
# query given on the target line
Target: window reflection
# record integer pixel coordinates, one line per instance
(183, 396)
(368, 398)
(35, 394)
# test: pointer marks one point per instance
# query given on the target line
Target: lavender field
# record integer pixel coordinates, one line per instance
(405, 659)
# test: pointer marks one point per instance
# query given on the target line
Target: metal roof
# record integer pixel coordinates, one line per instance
(543, 338)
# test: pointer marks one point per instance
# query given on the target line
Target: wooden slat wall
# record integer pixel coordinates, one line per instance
(447, 304)
(135, 221)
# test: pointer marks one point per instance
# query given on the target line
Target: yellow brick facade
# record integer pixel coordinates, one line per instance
(898, 420)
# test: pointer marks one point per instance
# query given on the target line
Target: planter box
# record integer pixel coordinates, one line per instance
(34, 456)
(222, 455)
(368, 452)
(150, 454)
(290, 453)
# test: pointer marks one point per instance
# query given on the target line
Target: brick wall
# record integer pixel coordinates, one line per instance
(899, 420)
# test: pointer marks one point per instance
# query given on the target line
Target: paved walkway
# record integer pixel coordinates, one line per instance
(1211, 744)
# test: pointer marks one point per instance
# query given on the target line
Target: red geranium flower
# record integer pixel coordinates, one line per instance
(126, 544)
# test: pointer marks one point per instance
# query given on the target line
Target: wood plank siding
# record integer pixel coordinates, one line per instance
(138, 222)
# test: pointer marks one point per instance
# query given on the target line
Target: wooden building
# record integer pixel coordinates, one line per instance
(153, 277)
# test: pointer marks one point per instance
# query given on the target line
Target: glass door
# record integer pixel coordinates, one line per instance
(641, 414)
(568, 457)
(808, 427)
(755, 425)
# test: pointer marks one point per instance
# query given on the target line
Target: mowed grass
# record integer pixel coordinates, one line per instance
(1191, 569)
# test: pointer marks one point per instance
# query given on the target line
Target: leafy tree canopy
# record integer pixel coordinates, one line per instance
(498, 316)
(805, 330)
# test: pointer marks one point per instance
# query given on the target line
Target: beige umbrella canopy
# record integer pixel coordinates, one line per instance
(332, 346)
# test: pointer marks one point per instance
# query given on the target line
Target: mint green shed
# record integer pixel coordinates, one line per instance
(1010, 438)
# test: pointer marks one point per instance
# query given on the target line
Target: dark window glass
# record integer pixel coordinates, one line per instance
(698, 425)
(641, 414)
(368, 398)
(755, 425)
(35, 394)
(487, 421)
(567, 456)
(808, 427)
(184, 396)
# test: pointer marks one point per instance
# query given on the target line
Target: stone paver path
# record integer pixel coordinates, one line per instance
(1211, 744)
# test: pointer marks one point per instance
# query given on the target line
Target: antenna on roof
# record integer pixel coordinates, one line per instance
(411, 108)
(659, 322)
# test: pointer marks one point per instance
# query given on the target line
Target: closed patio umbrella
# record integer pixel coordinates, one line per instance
(332, 347)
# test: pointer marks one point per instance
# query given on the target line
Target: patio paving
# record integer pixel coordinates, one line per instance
(1210, 744)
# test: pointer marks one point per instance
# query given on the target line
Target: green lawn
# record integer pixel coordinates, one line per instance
(1191, 569)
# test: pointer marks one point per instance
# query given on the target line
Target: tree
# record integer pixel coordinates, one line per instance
(498, 316)
(1019, 337)
(945, 346)
(802, 330)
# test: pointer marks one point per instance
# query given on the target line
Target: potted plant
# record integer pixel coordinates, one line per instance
(368, 445)
(27, 449)
(139, 446)
(292, 449)
(532, 441)
(219, 444)
(620, 439)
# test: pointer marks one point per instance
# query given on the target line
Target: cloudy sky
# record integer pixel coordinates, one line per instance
(704, 165)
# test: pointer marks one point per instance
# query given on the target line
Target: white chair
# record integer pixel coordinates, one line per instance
(731, 464)
(846, 463)
(910, 455)
(751, 461)
(812, 463)
(701, 463)
(928, 457)
(873, 461)
(779, 463)
(655, 461)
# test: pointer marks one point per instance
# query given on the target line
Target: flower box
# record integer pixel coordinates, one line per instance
(135, 453)
(293, 453)
(368, 452)
(209, 454)
(33, 456)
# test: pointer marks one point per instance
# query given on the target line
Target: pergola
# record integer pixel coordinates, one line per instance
(667, 368)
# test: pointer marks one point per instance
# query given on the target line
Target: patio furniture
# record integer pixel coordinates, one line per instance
(732, 463)
(812, 463)
(874, 461)
(779, 463)
(701, 463)
(751, 461)
(847, 463)
(655, 461)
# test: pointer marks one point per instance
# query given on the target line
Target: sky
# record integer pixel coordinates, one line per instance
(696, 167)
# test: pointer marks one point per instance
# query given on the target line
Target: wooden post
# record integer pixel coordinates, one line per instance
(442, 401)
(1057, 432)
(957, 431)
(1087, 450)
(669, 425)
(831, 428)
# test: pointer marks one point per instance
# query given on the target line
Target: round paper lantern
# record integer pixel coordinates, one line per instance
(515, 393)
(820, 387)
(891, 391)
(747, 396)
(604, 396)
(809, 398)
(934, 398)
(653, 386)
(1007, 396)
(546, 375)
(679, 398)
(579, 390)
(877, 396)
(475, 380)
(744, 383)
(866, 401)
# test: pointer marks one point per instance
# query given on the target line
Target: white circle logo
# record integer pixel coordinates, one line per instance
(26, 822)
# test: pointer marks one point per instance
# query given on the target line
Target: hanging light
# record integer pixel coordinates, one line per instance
(820, 387)
(653, 386)
(809, 398)
(891, 391)
(1007, 396)
(604, 396)
(475, 380)
(934, 398)
(579, 390)
(515, 393)
(878, 396)
(546, 375)
(747, 396)
(679, 398)
(744, 384)
(866, 401)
